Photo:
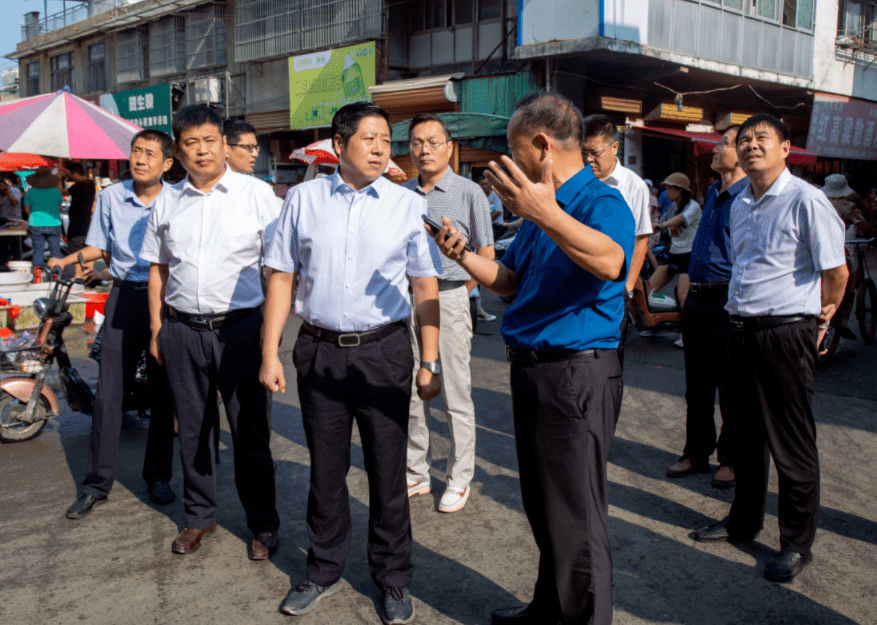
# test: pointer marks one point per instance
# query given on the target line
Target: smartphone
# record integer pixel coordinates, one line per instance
(81, 260)
(435, 230)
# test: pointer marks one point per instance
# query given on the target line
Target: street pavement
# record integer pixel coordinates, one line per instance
(116, 567)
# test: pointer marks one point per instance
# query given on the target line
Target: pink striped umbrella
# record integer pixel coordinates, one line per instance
(323, 153)
(64, 126)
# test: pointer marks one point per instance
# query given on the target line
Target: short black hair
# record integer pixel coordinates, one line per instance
(599, 125)
(767, 120)
(76, 168)
(192, 117)
(346, 120)
(234, 128)
(151, 134)
(422, 118)
(551, 112)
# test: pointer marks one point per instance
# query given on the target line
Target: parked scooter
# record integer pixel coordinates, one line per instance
(26, 402)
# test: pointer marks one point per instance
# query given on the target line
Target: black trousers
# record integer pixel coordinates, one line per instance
(706, 330)
(772, 372)
(565, 415)
(370, 384)
(126, 334)
(227, 359)
(624, 327)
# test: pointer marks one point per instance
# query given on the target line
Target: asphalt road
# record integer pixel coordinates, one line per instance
(116, 566)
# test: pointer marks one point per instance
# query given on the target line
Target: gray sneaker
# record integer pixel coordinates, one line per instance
(304, 598)
(397, 606)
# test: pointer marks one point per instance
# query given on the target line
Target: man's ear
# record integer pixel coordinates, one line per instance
(543, 144)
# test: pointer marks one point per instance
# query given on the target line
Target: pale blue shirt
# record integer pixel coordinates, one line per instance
(353, 251)
(119, 226)
(779, 247)
(212, 243)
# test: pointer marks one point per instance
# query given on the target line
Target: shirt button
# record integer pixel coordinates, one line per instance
(350, 257)
(348, 286)
(346, 314)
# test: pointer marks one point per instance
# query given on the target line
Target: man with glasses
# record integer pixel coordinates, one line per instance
(706, 326)
(241, 148)
(599, 150)
(464, 203)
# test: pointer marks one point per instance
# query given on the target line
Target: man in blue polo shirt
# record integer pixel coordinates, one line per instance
(567, 265)
(706, 326)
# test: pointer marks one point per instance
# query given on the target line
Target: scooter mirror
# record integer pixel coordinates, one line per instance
(42, 306)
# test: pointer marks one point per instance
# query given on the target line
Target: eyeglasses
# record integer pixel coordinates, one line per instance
(591, 154)
(252, 148)
(416, 146)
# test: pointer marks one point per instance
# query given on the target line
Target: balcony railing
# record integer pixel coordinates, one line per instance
(34, 25)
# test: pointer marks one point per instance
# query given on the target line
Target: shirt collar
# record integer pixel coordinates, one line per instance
(375, 189)
(128, 193)
(775, 189)
(569, 189)
(223, 184)
(445, 181)
(615, 172)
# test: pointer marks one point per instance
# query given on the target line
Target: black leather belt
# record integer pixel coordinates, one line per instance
(131, 284)
(703, 287)
(447, 285)
(532, 356)
(353, 339)
(750, 324)
(212, 322)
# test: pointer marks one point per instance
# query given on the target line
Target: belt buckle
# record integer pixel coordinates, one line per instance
(343, 340)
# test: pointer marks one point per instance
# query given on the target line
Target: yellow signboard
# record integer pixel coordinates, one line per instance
(322, 82)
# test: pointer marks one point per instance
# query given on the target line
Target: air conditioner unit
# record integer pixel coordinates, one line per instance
(208, 90)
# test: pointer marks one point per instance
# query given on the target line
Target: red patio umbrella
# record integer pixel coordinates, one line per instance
(11, 161)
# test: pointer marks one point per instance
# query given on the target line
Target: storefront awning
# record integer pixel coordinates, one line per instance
(706, 141)
(473, 130)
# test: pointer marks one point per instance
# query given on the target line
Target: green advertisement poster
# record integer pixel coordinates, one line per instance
(322, 82)
(149, 107)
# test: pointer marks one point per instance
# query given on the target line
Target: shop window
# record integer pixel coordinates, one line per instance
(33, 78)
(97, 68)
(62, 71)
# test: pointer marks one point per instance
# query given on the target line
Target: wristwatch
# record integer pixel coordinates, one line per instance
(434, 367)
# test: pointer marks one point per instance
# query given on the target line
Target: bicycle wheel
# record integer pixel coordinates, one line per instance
(829, 343)
(865, 302)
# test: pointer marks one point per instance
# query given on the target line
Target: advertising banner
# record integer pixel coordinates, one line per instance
(842, 127)
(149, 107)
(322, 82)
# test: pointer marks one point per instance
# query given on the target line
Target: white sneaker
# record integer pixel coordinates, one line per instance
(485, 316)
(679, 343)
(417, 488)
(647, 333)
(454, 499)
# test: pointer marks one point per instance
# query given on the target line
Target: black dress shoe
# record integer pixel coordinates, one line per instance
(786, 566)
(161, 494)
(528, 614)
(83, 506)
(718, 532)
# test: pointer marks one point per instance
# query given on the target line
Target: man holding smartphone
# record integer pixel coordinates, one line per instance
(464, 203)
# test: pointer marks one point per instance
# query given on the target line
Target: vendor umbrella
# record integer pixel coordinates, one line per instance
(322, 153)
(10, 161)
(64, 126)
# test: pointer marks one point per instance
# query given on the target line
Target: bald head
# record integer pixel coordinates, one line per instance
(551, 113)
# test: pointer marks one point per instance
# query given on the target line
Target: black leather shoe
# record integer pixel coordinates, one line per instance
(718, 532)
(522, 615)
(786, 566)
(161, 494)
(83, 506)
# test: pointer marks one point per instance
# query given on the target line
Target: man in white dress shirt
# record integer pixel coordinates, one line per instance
(788, 276)
(205, 243)
(599, 149)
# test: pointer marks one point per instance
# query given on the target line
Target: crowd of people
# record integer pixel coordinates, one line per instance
(205, 272)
